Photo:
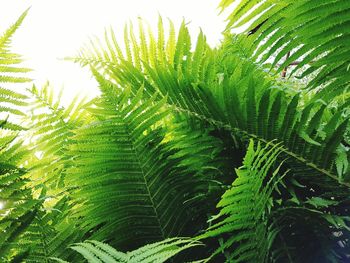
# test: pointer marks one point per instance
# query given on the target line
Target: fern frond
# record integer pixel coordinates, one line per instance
(11, 71)
(52, 126)
(18, 207)
(315, 32)
(221, 90)
(244, 208)
(125, 154)
(97, 252)
(48, 224)
(51, 231)
(230, 92)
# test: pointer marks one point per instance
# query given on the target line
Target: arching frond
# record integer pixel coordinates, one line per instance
(229, 92)
(146, 161)
(11, 72)
(313, 32)
(222, 90)
(133, 186)
(245, 207)
(257, 221)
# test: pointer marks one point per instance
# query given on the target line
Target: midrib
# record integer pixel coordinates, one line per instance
(144, 177)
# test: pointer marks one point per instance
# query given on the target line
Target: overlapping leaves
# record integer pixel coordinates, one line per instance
(314, 33)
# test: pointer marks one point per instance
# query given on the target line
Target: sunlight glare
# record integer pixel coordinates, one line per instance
(58, 29)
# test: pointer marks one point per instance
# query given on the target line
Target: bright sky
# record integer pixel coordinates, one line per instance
(55, 29)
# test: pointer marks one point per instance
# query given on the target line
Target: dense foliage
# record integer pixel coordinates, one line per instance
(189, 153)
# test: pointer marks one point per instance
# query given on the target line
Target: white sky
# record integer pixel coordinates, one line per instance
(59, 28)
